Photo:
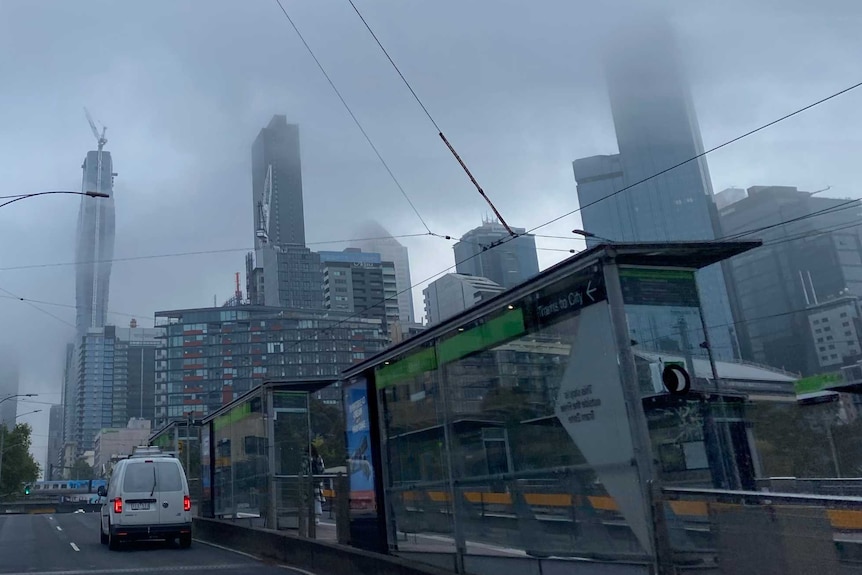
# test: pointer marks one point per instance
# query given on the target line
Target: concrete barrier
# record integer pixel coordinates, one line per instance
(315, 556)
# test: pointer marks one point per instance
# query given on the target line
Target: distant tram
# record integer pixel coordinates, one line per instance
(83, 490)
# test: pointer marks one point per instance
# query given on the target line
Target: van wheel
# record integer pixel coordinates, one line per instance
(113, 540)
(185, 541)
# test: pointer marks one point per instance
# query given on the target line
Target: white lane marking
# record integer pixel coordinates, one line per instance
(75, 547)
(250, 556)
(50, 518)
(59, 528)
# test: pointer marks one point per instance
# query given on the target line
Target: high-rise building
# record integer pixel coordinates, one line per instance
(283, 272)
(656, 128)
(802, 262)
(95, 243)
(8, 387)
(276, 180)
(360, 283)
(214, 355)
(508, 264)
(108, 385)
(453, 293)
(372, 237)
(52, 469)
(70, 382)
(287, 276)
(836, 329)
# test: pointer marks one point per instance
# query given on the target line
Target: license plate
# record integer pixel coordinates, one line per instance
(139, 506)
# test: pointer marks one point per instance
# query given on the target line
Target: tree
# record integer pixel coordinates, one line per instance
(19, 467)
(81, 470)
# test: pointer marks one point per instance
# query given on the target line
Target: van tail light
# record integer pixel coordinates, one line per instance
(118, 505)
(187, 503)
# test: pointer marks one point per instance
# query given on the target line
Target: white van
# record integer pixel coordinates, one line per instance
(147, 498)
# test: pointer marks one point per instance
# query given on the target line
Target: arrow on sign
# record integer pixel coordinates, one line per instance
(590, 290)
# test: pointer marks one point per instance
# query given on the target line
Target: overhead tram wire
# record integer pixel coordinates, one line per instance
(355, 119)
(208, 252)
(68, 306)
(436, 126)
(34, 306)
(701, 155)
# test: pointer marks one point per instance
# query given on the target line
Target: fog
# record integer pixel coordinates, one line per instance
(185, 85)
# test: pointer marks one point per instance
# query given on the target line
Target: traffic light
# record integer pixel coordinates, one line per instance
(27, 489)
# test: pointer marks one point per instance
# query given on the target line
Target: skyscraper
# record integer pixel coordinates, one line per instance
(95, 243)
(283, 272)
(362, 283)
(453, 293)
(656, 128)
(507, 264)
(802, 264)
(372, 237)
(110, 388)
(276, 180)
(55, 444)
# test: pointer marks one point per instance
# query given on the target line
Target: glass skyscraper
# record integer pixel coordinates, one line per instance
(656, 128)
(508, 264)
(95, 243)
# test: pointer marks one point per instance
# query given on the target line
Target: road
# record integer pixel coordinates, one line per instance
(68, 544)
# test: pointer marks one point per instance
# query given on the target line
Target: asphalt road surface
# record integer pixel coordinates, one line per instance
(68, 544)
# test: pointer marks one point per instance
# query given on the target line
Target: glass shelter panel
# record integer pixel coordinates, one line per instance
(240, 469)
(511, 433)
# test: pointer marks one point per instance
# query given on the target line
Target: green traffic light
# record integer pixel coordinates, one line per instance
(26, 490)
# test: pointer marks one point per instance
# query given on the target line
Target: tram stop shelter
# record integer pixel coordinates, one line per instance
(529, 430)
(520, 429)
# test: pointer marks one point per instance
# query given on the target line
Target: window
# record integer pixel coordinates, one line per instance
(846, 324)
(834, 356)
(832, 346)
(848, 333)
(140, 477)
(169, 476)
(822, 348)
(843, 314)
(827, 328)
(816, 321)
(819, 340)
(828, 338)
(818, 330)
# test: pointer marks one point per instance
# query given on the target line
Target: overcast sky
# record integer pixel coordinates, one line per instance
(185, 85)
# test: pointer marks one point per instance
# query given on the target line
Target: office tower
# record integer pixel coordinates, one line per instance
(372, 237)
(95, 243)
(802, 263)
(52, 469)
(288, 276)
(360, 283)
(283, 272)
(276, 180)
(214, 355)
(453, 293)
(729, 196)
(8, 387)
(109, 385)
(508, 264)
(70, 381)
(656, 129)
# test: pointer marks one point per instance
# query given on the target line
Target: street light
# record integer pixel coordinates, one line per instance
(3, 434)
(591, 235)
(89, 194)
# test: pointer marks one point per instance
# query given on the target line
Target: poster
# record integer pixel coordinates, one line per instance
(360, 465)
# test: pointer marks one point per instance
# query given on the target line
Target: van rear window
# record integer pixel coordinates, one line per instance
(169, 477)
(140, 477)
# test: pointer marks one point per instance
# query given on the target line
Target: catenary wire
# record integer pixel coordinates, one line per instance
(44, 311)
(353, 116)
(440, 134)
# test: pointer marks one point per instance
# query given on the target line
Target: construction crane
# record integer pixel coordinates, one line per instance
(263, 207)
(101, 140)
